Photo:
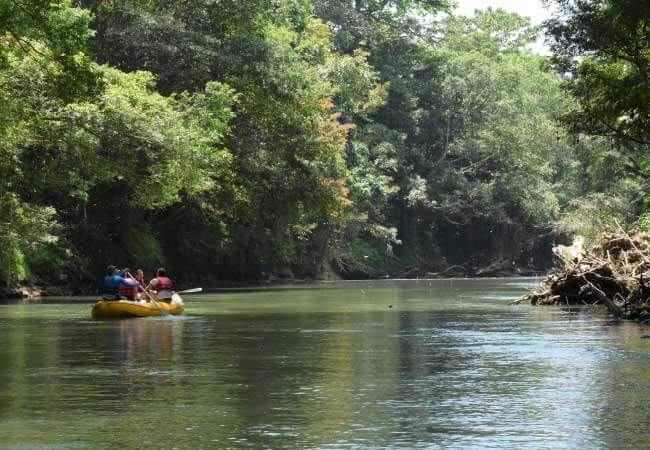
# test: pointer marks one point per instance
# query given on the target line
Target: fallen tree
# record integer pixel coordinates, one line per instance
(614, 272)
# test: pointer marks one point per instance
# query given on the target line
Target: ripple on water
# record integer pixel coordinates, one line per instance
(451, 365)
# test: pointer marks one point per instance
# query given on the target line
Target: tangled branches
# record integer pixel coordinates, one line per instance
(614, 273)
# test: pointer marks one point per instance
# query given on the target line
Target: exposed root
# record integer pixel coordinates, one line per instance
(614, 273)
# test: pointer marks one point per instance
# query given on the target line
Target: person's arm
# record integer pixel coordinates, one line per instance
(152, 283)
(128, 282)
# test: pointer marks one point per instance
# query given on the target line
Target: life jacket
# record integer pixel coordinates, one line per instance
(164, 284)
(125, 290)
(111, 286)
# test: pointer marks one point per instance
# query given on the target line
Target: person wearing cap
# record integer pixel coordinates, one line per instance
(112, 281)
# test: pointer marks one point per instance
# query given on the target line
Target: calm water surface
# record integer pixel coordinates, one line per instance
(450, 365)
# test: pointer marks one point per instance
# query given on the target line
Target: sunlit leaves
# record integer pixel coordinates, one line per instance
(605, 46)
(356, 84)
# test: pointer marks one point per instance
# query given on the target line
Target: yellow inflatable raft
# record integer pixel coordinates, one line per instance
(118, 309)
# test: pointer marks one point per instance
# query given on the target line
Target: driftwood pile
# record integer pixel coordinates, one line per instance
(615, 273)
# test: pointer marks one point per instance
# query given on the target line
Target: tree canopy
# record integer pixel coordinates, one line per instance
(604, 46)
(602, 49)
(236, 138)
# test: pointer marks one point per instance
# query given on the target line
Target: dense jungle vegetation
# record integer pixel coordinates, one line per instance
(234, 139)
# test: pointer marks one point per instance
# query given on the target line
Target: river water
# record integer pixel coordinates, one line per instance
(398, 364)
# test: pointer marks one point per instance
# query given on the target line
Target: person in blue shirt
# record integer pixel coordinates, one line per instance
(112, 282)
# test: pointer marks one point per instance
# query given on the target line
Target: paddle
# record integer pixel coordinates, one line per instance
(190, 291)
(163, 311)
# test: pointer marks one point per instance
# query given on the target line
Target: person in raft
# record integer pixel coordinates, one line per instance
(112, 281)
(126, 289)
(142, 284)
(139, 277)
(162, 285)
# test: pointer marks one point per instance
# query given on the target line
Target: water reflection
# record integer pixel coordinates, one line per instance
(451, 364)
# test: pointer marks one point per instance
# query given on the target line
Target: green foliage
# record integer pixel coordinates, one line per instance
(24, 228)
(356, 84)
(364, 257)
(594, 214)
(144, 248)
(490, 32)
(604, 45)
(366, 23)
(159, 146)
(515, 145)
(643, 223)
(73, 131)
(49, 261)
(283, 167)
(249, 136)
(54, 35)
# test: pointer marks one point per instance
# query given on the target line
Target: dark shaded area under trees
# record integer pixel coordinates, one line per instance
(236, 140)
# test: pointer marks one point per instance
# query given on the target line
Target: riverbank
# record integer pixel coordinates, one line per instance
(500, 269)
(35, 292)
(614, 273)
